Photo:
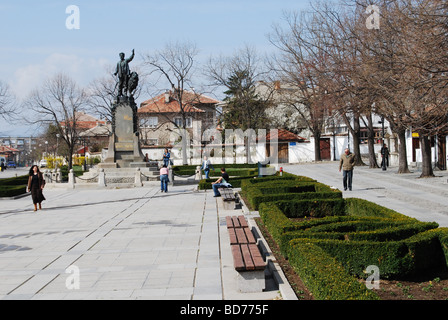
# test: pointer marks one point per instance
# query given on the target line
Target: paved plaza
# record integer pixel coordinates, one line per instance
(140, 243)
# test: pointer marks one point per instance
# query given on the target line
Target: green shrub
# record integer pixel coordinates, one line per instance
(22, 180)
(342, 237)
(291, 189)
(323, 275)
(364, 208)
(12, 190)
(399, 246)
(206, 184)
(217, 172)
(11, 187)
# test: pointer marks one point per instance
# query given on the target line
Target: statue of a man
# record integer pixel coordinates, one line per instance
(123, 73)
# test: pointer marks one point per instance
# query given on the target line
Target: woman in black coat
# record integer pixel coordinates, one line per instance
(36, 184)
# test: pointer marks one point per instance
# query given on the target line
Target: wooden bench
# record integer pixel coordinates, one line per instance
(246, 255)
(227, 194)
(228, 198)
(247, 259)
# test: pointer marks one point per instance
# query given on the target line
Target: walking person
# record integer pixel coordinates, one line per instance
(166, 158)
(346, 164)
(206, 165)
(164, 179)
(36, 184)
(223, 181)
(385, 156)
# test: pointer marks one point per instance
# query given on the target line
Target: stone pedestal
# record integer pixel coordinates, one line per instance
(252, 281)
(124, 147)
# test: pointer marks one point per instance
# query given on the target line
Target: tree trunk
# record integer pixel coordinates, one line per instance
(184, 136)
(371, 142)
(356, 142)
(427, 171)
(317, 155)
(402, 153)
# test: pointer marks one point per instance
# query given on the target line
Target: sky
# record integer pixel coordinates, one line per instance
(42, 38)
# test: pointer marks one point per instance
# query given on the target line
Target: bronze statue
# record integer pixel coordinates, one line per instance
(124, 73)
(132, 82)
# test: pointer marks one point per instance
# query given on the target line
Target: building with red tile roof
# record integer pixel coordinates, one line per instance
(160, 116)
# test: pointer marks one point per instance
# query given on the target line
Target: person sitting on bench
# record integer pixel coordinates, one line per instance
(222, 182)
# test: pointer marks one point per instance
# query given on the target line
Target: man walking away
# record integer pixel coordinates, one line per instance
(347, 163)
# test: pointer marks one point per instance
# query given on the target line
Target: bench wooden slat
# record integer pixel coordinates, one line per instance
(238, 261)
(229, 222)
(227, 194)
(247, 257)
(241, 236)
(236, 222)
(256, 257)
(249, 235)
(243, 221)
(232, 236)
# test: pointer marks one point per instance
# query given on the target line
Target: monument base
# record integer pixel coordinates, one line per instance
(124, 148)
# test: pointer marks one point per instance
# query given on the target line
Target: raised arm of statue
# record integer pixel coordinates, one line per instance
(131, 57)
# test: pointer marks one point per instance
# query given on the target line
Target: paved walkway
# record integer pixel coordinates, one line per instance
(123, 243)
(423, 198)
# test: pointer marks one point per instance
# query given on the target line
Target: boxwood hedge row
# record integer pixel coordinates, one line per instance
(11, 187)
(340, 238)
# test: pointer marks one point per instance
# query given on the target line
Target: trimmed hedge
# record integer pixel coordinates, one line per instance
(206, 184)
(22, 180)
(323, 275)
(11, 187)
(12, 191)
(190, 170)
(399, 247)
(342, 237)
(286, 189)
(217, 172)
(364, 208)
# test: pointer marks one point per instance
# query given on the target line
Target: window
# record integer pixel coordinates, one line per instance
(188, 122)
(150, 122)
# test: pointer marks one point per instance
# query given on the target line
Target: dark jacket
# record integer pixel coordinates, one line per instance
(40, 180)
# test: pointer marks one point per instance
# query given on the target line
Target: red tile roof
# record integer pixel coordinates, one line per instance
(85, 121)
(283, 135)
(5, 149)
(190, 101)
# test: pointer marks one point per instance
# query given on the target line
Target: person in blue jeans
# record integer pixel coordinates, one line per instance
(164, 178)
(166, 158)
(206, 165)
(222, 182)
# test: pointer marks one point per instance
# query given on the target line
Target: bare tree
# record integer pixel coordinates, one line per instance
(7, 104)
(174, 66)
(59, 102)
(302, 65)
